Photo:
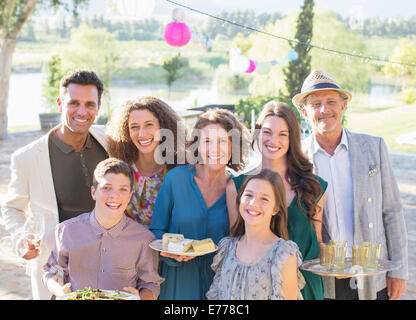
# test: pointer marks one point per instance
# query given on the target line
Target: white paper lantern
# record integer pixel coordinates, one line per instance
(178, 15)
(239, 63)
(263, 67)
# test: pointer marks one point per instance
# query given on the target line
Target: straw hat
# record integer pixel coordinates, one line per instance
(318, 81)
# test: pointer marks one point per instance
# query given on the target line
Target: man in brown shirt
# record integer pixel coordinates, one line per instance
(49, 175)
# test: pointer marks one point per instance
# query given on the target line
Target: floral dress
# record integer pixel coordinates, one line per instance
(144, 196)
(261, 280)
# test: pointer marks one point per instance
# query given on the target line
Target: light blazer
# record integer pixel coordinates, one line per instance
(378, 214)
(31, 191)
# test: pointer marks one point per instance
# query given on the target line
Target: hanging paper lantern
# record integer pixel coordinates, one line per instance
(177, 34)
(283, 62)
(293, 55)
(263, 67)
(252, 67)
(178, 15)
(239, 63)
(235, 51)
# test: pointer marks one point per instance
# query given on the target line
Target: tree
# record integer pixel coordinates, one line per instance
(352, 73)
(404, 53)
(93, 49)
(173, 67)
(13, 16)
(50, 87)
(298, 69)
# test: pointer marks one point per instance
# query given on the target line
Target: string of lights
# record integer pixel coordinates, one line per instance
(308, 45)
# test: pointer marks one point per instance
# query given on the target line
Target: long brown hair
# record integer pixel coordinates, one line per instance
(299, 171)
(120, 144)
(278, 223)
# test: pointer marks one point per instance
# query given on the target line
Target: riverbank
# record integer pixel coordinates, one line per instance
(15, 284)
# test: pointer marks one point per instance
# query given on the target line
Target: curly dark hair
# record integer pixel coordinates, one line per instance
(83, 77)
(120, 144)
(227, 120)
(278, 223)
(299, 171)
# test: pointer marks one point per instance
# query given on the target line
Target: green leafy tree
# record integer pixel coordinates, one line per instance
(174, 69)
(330, 32)
(404, 53)
(50, 87)
(13, 16)
(245, 106)
(298, 69)
(93, 49)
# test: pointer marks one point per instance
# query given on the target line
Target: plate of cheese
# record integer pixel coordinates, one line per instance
(175, 243)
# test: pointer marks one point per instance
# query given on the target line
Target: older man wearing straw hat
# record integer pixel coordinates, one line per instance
(363, 201)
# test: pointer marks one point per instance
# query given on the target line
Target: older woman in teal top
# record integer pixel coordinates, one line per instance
(278, 138)
(192, 202)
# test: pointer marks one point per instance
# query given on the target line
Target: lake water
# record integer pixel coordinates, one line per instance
(25, 96)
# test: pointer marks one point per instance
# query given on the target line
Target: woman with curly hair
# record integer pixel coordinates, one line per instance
(137, 131)
(192, 201)
(277, 136)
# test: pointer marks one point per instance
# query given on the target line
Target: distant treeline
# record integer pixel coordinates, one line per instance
(387, 27)
(249, 18)
(152, 29)
(390, 27)
(148, 29)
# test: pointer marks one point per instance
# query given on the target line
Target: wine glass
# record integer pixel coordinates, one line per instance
(32, 232)
(304, 128)
(35, 225)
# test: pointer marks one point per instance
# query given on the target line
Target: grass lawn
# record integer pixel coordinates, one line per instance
(385, 122)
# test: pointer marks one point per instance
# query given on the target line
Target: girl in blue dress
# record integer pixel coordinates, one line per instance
(192, 202)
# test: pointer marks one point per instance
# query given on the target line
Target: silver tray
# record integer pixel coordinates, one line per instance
(314, 266)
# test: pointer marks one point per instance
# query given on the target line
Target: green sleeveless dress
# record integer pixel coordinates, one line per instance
(304, 235)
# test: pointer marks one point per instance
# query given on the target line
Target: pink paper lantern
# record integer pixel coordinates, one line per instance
(177, 34)
(252, 67)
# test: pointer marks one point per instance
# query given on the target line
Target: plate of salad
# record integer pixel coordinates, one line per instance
(99, 294)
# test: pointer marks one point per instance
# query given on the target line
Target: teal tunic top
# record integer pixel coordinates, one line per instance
(181, 208)
(304, 235)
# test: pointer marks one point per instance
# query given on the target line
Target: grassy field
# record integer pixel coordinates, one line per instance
(386, 122)
(138, 60)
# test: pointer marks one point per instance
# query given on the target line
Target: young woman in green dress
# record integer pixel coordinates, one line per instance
(277, 137)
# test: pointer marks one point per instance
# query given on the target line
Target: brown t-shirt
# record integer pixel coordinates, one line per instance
(72, 173)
